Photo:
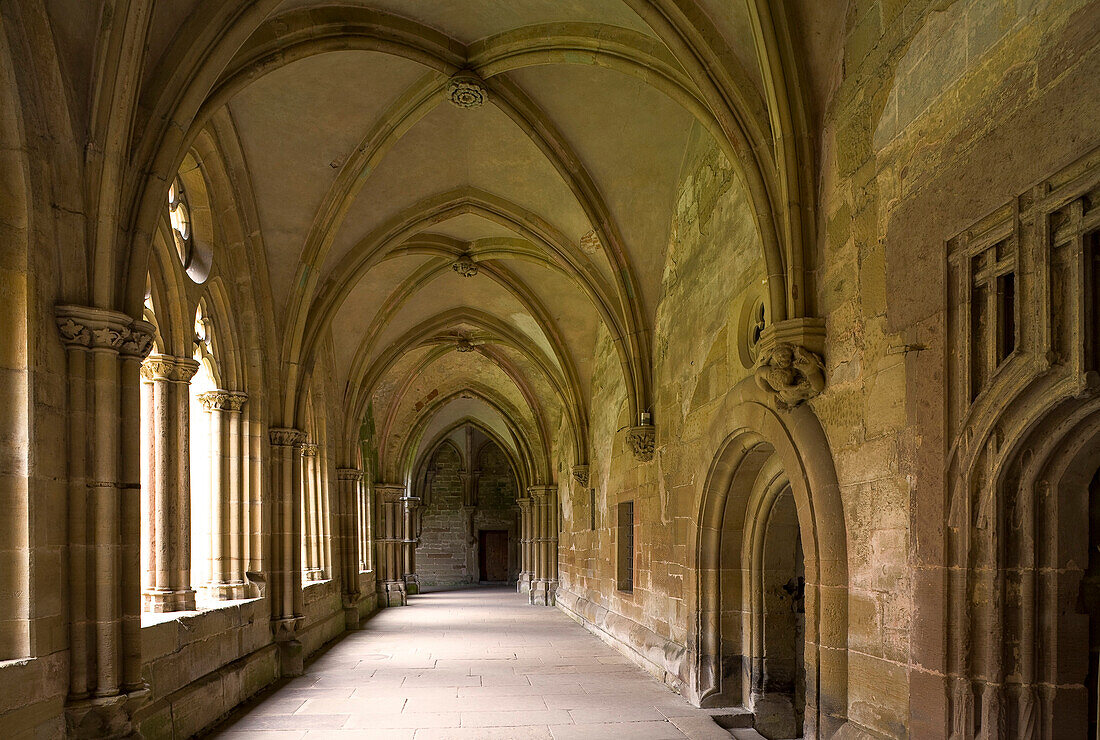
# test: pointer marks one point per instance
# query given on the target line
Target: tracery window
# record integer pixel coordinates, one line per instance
(179, 213)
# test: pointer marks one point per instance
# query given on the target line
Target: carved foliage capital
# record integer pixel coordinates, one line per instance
(389, 493)
(99, 329)
(352, 474)
(790, 374)
(166, 367)
(286, 437)
(223, 400)
(309, 450)
(642, 440)
(581, 475)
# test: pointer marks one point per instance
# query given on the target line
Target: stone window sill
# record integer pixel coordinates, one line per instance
(151, 619)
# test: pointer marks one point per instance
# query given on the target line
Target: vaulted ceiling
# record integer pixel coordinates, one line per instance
(464, 195)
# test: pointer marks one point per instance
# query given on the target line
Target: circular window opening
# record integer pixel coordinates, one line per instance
(179, 212)
(753, 322)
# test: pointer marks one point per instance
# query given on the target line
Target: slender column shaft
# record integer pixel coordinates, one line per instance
(236, 497)
(170, 515)
(78, 501)
(226, 568)
(103, 352)
(131, 426)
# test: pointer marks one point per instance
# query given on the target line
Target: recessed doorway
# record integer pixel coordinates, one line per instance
(493, 555)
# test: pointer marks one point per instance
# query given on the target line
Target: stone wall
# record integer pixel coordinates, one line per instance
(447, 553)
(943, 112)
(444, 551)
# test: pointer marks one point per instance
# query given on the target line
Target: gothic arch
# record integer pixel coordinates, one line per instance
(794, 443)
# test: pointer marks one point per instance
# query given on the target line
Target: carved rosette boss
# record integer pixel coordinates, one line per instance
(466, 90)
(790, 374)
(464, 265)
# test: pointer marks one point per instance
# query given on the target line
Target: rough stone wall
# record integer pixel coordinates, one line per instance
(442, 554)
(447, 553)
(943, 112)
(713, 267)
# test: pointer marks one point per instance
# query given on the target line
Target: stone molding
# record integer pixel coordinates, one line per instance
(352, 474)
(309, 449)
(466, 90)
(790, 374)
(223, 400)
(285, 437)
(464, 265)
(85, 327)
(642, 440)
(581, 475)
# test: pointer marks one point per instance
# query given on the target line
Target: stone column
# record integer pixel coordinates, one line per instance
(169, 501)
(526, 565)
(408, 534)
(227, 514)
(349, 482)
(287, 598)
(104, 349)
(391, 585)
(544, 505)
(311, 515)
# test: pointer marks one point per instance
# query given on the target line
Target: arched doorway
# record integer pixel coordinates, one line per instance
(772, 565)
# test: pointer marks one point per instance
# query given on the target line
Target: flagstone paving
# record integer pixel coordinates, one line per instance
(471, 663)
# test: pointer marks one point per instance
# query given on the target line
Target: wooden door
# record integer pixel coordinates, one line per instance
(493, 554)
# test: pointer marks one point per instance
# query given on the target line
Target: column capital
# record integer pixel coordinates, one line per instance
(541, 491)
(286, 436)
(169, 368)
(524, 504)
(87, 327)
(309, 449)
(390, 492)
(220, 400)
(352, 474)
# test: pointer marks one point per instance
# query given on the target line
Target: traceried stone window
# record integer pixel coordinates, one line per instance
(179, 212)
(753, 321)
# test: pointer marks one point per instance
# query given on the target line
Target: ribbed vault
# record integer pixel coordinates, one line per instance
(466, 201)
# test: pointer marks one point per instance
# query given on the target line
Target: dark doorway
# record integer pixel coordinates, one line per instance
(493, 555)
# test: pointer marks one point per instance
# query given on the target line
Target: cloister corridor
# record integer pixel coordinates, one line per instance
(470, 663)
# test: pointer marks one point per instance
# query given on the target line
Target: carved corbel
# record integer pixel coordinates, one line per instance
(581, 475)
(642, 440)
(790, 374)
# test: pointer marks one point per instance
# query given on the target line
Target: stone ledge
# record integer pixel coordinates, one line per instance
(662, 658)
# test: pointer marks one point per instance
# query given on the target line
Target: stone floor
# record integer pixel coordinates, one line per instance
(473, 663)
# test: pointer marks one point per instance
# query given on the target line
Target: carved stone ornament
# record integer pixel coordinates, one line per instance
(309, 450)
(390, 493)
(166, 367)
(590, 242)
(464, 345)
(137, 340)
(352, 474)
(580, 473)
(222, 400)
(284, 437)
(465, 266)
(642, 440)
(790, 374)
(466, 90)
(97, 328)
